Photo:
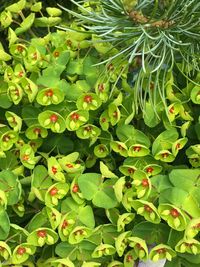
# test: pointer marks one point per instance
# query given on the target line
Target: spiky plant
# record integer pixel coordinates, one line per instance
(162, 35)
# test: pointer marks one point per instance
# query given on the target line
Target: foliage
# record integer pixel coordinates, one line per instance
(158, 36)
(85, 180)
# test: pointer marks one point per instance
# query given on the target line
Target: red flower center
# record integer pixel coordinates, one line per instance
(103, 120)
(139, 246)
(54, 118)
(16, 92)
(131, 170)
(87, 99)
(115, 114)
(78, 232)
(110, 67)
(20, 74)
(25, 157)
(37, 131)
(120, 147)
(101, 87)
(174, 213)
(165, 155)
(171, 110)
(88, 128)
(69, 165)
(53, 191)
(65, 224)
(75, 116)
(178, 146)
(6, 138)
(161, 250)
(21, 250)
(75, 188)
(35, 56)
(149, 170)
(56, 54)
(145, 183)
(49, 93)
(147, 208)
(2, 248)
(54, 169)
(101, 149)
(137, 148)
(129, 258)
(41, 233)
(20, 48)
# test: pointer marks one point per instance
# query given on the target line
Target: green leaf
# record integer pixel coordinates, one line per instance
(26, 24)
(5, 225)
(10, 184)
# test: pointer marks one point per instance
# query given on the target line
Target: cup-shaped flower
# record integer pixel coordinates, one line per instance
(119, 147)
(22, 252)
(36, 131)
(71, 166)
(152, 169)
(66, 225)
(147, 210)
(5, 251)
(193, 228)
(103, 250)
(55, 170)
(138, 150)
(162, 251)
(173, 215)
(114, 114)
(129, 258)
(54, 217)
(88, 131)
(42, 236)
(165, 155)
(27, 156)
(101, 151)
(142, 184)
(14, 120)
(76, 119)
(139, 246)
(128, 197)
(121, 242)
(18, 50)
(195, 95)
(30, 88)
(102, 88)
(191, 246)
(123, 220)
(128, 170)
(78, 234)
(104, 120)
(19, 72)
(7, 140)
(88, 101)
(75, 192)
(56, 192)
(49, 96)
(173, 110)
(178, 145)
(52, 120)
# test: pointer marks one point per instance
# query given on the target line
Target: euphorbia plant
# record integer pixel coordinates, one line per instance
(85, 179)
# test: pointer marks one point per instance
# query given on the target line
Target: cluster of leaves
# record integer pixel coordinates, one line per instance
(85, 181)
(161, 35)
